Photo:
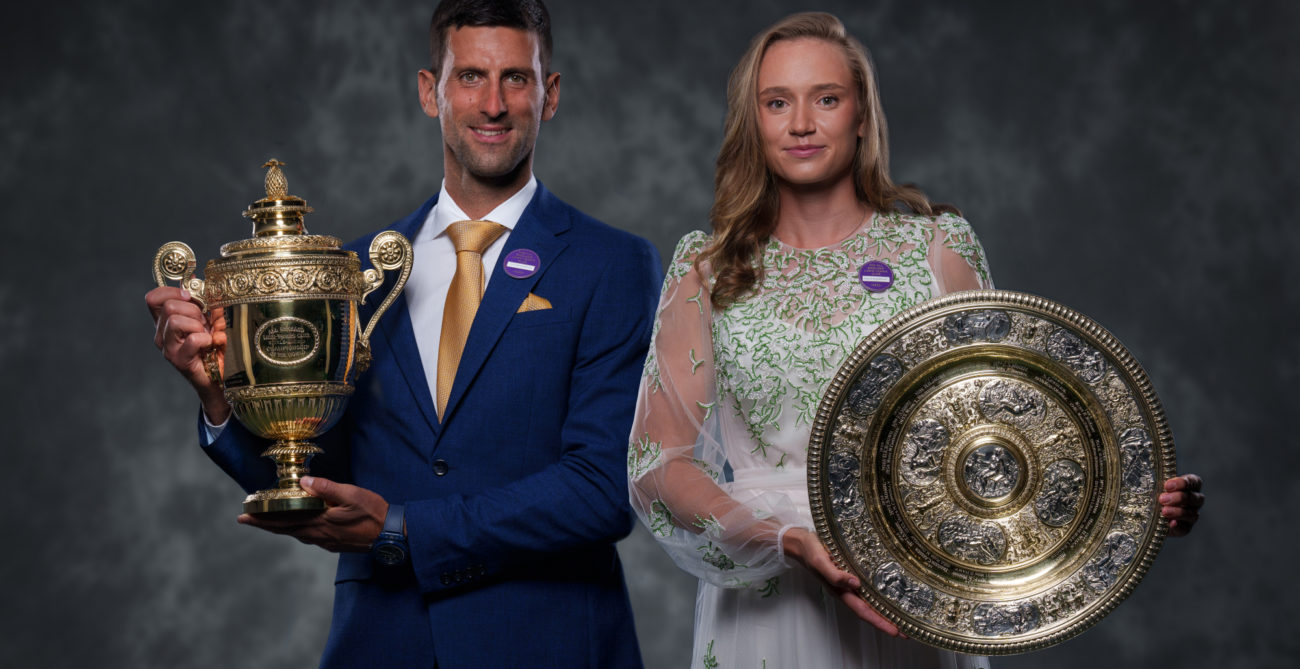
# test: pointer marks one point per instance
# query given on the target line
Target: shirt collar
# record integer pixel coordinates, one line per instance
(445, 211)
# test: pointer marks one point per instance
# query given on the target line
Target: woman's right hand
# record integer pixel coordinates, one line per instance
(805, 547)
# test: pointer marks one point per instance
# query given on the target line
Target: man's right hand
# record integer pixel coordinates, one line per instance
(183, 333)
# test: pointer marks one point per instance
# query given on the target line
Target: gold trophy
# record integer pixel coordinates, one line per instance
(294, 342)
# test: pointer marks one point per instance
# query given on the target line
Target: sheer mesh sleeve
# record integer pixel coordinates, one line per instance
(957, 258)
(678, 451)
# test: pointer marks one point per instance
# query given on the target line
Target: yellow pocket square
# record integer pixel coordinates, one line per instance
(534, 303)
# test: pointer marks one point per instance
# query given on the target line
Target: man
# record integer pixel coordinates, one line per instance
(503, 441)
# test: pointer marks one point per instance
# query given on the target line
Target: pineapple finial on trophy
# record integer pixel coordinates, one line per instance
(277, 187)
(279, 213)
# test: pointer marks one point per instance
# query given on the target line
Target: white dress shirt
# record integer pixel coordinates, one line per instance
(435, 265)
(433, 269)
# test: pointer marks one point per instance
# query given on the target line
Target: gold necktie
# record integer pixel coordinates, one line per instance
(471, 239)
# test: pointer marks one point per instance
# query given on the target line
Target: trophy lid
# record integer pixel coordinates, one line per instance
(278, 220)
(279, 213)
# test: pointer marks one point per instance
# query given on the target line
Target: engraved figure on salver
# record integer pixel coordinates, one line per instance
(981, 543)
(999, 620)
(923, 451)
(1012, 403)
(979, 325)
(927, 506)
(846, 497)
(881, 374)
(1115, 554)
(914, 598)
(1084, 360)
(991, 471)
(1058, 502)
(1135, 452)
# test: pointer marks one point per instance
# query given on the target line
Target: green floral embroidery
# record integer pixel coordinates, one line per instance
(760, 446)
(708, 408)
(661, 519)
(707, 469)
(710, 660)
(643, 456)
(775, 350)
(684, 256)
(959, 237)
(696, 299)
(651, 369)
(713, 555)
(695, 364)
(769, 588)
(709, 525)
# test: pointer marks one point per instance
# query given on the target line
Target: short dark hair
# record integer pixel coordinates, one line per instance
(530, 15)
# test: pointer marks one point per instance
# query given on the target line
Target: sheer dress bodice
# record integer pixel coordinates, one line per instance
(718, 450)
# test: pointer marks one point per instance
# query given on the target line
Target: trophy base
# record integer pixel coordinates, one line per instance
(287, 499)
(276, 501)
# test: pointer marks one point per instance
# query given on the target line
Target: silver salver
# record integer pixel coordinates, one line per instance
(989, 464)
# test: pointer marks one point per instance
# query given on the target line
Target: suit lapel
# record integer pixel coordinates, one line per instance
(401, 340)
(537, 231)
(396, 328)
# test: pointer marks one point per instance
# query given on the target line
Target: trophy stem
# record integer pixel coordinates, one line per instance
(290, 456)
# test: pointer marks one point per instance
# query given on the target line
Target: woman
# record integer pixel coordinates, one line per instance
(753, 323)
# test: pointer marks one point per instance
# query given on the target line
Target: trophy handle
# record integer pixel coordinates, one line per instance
(175, 262)
(388, 251)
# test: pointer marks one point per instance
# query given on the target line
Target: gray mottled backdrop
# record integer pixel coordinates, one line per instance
(1134, 160)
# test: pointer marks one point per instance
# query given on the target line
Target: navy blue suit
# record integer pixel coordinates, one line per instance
(514, 501)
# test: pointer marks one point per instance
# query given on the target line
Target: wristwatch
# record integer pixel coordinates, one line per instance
(390, 548)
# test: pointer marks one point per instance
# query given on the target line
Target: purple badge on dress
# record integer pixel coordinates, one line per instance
(521, 263)
(876, 276)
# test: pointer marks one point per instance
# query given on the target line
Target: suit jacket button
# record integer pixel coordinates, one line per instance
(440, 467)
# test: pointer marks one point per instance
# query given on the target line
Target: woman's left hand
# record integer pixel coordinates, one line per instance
(1181, 502)
(804, 546)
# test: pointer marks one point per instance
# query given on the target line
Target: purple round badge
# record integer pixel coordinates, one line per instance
(876, 276)
(521, 263)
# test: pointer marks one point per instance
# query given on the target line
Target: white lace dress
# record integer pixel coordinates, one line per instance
(728, 398)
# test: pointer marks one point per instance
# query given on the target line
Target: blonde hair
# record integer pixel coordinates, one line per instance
(745, 201)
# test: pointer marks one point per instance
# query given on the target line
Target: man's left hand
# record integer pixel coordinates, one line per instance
(350, 522)
(1181, 502)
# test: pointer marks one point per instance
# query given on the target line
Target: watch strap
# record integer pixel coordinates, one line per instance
(395, 519)
(390, 549)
